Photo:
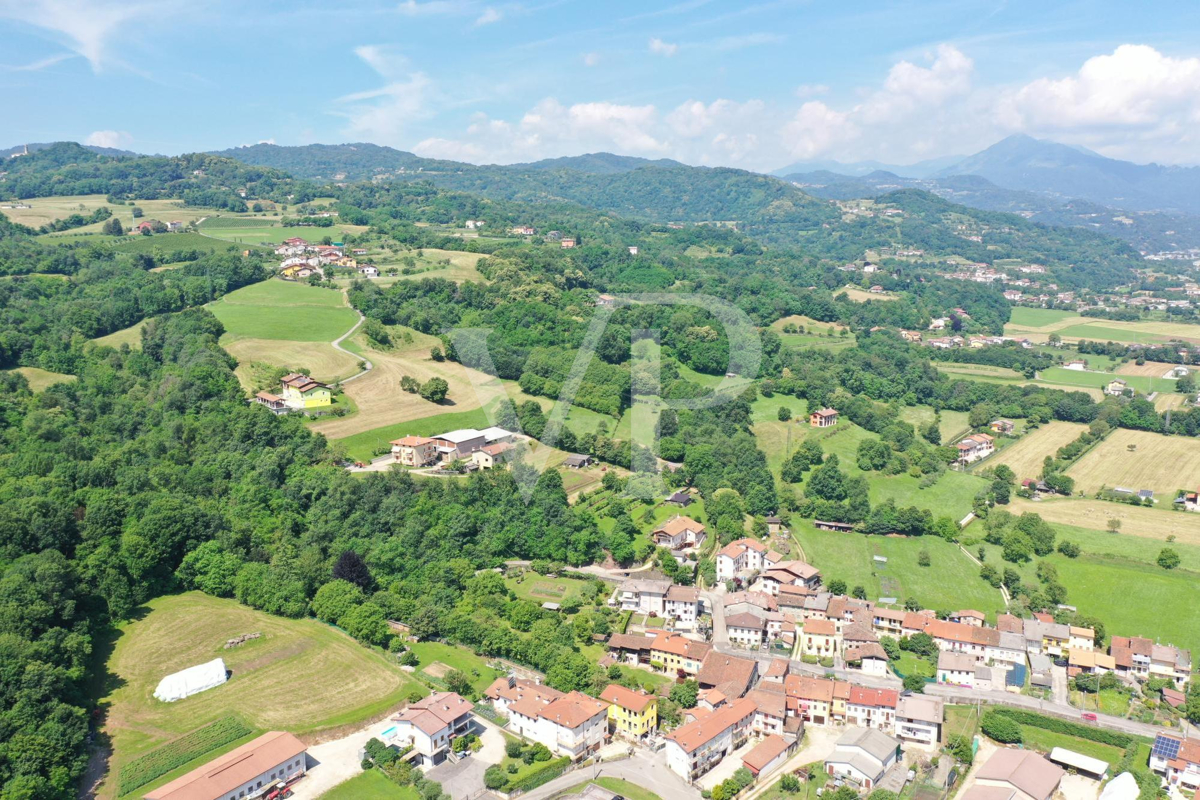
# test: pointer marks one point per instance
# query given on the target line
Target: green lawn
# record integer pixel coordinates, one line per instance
(1098, 380)
(1038, 317)
(951, 581)
(277, 309)
(371, 785)
(778, 440)
(540, 589)
(1044, 741)
(650, 681)
(952, 424)
(1100, 333)
(951, 496)
(459, 658)
(960, 721)
(169, 242)
(1126, 546)
(802, 341)
(909, 664)
(625, 789)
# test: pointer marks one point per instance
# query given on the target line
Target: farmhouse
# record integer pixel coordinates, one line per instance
(462, 443)
(1116, 387)
(679, 533)
(302, 392)
(273, 759)
(414, 451)
(823, 418)
(272, 402)
(576, 461)
(695, 748)
(974, 447)
(431, 724)
(630, 714)
(493, 455)
(1002, 426)
(863, 755)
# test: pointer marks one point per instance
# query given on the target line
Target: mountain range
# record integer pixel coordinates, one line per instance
(33, 147)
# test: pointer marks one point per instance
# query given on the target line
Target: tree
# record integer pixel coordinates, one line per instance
(436, 353)
(351, 567)
(113, 227)
(137, 212)
(785, 414)
(367, 624)
(923, 558)
(1068, 549)
(459, 682)
(685, 693)
(494, 777)
(836, 586)
(1001, 728)
(435, 390)
(335, 600)
(859, 592)
(1113, 525)
(914, 683)
(1168, 558)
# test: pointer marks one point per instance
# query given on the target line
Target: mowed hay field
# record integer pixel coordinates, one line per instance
(1151, 369)
(1024, 456)
(380, 400)
(40, 379)
(301, 676)
(862, 296)
(318, 359)
(1160, 463)
(1158, 522)
(278, 309)
(131, 336)
(48, 209)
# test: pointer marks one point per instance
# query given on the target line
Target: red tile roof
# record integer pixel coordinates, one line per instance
(628, 699)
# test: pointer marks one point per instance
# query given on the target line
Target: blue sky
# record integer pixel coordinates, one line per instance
(755, 84)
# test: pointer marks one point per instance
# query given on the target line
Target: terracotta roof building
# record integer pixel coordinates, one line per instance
(262, 762)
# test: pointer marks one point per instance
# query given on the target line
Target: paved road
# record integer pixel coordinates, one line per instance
(337, 343)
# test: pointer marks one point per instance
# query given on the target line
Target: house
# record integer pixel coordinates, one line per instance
(1177, 760)
(576, 461)
(769, 755)
(273, 402)
(919, 719)
(572, 725)
(1141, 658)
(679, 654)
(680, 499)
(746, 629)
(741, 555)
(823, 418)
(864, 755)
(1077, 364)
(368, 271)
(1047, 637)
(1190, 500)
(506, 691)
(870, 658)
(633, 251)
(938, 324)
(730, 675)
(631, 714)
(968, 616)
(1027, 773)
(819, 639)
(359, 251)
(566, 243)
(887, 622)
(841, 527)
(302, 392)
(493, 455)
(1002, 426)
(522, 230)
(1081, 638)
(956, 668)
(695, 748)
(679, 533)
(816, 700)
(770, 716)
(975, 447)
(1116, 387)
(644, 595)
(1089, 662)
(414, 451)
(462, 443)
(787, 573)
(271, 760)
(631, 648)
(431, 724)
(474, 224)
(775, 526)
(174, 225)
(683, 604)
(911, 336)
(606, 301)
(872, 708)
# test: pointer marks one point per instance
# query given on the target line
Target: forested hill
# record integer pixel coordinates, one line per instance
(357, 161)
(66, 168)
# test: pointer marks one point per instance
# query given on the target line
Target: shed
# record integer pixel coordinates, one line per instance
(192, 680)
(1084, 765)
(548, 606)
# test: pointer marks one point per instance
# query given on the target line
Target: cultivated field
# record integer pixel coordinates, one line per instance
(317, 359)
(981, 371)
(1024, 456)
(1073, 327)
(1038, 318)
(278, 309)
(1151, 369)
(380, 400)
(1160, 463)
(1165, 401)
(1147, 523)
(301, 676)
(862, 296)
(809, 324)
(48, 209)
(1072, 377)
(40, 379)
(430, 263)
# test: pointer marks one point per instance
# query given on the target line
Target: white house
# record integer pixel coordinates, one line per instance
(574, 725)
(919, 719)
(956, 668)
(430, 725)
(1177, 760)
(644, 595)
(684, 604)
(742, 555)
(679, 533)
(787, 573)
(695, 748)
(863, 754)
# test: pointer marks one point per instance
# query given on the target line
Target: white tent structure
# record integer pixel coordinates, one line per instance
(1122, 787)
(190, 681)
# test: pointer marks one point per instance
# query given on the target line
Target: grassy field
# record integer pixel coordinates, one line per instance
(317, 359)
(1025, 455)
(430, 263)
(1038, 317)
(1073, 377)
(1044, 741)
(981, 371)
(359, 446)
(952, 425)
(277, 309)
(1037, 324)
(778, 440)
(131, 336)
(1139, 460)
(540, 589)
(40, 379)
(455, 657)
(48, 209)
(951, 582)
(1141, 522)
(1150, 369)
(371, 785)
(862, 296)
(317, 677)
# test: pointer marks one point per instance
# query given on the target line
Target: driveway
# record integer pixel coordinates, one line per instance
(648, 770)
(465, 778)
(335, 762)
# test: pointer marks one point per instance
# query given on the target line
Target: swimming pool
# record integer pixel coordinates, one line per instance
(388, 733)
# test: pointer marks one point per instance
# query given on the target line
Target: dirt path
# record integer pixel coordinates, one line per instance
(337, 343)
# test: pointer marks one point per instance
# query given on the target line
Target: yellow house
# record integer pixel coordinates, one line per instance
(819, 638)
(347, 261)
(302, 392)
(677, 653)
(633, 714)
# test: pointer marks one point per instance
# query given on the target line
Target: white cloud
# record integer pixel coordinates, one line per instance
(489, 16)
(40, 64)
(383, 114)
(432, 8)
(85, 26)
(806, 90)
(661, 48)
(116, 139)
(591, 59)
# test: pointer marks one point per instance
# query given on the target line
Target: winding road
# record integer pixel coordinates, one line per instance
(337, 343)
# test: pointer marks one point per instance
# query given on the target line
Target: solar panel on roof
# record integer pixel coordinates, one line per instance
(1165, 747)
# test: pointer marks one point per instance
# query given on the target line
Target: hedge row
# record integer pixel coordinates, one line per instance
(1089, 732)
(549, 772)
(175, 754)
